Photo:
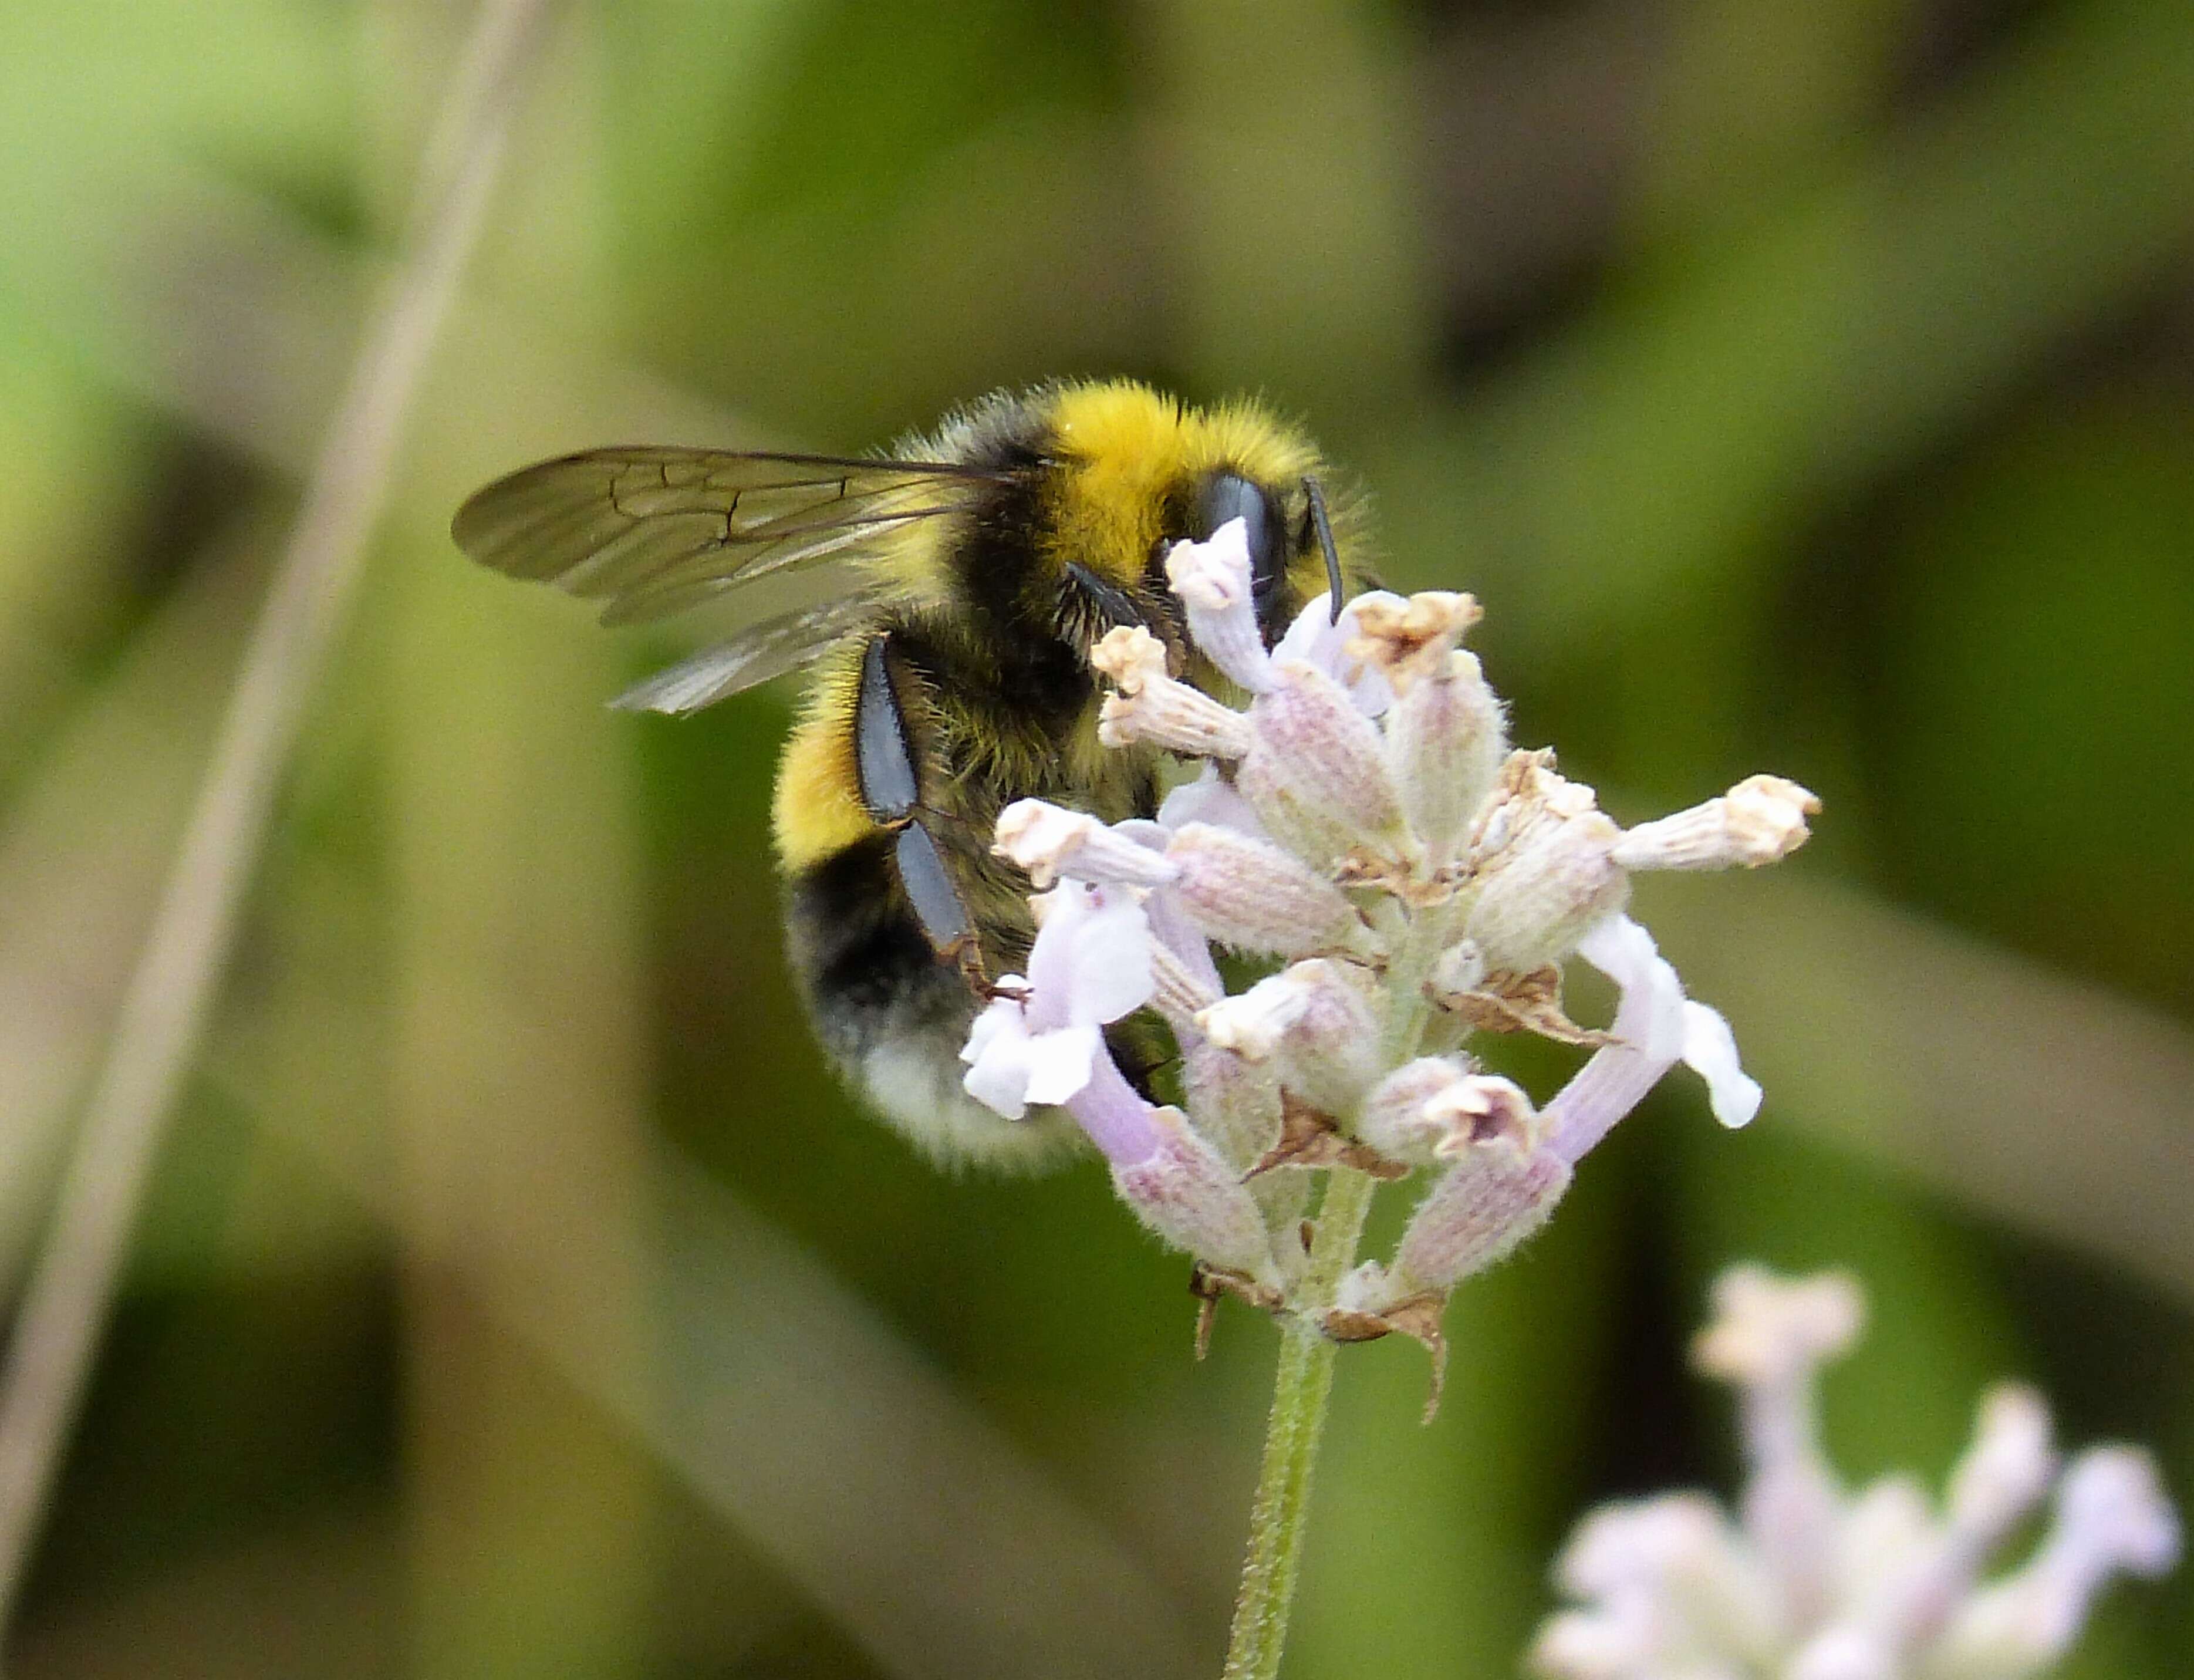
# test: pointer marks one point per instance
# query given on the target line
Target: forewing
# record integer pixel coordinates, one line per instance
(769, 648)
(651, 530)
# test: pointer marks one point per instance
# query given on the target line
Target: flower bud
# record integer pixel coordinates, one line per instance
(1312, 1023)
(1459, 969)
(2111, 1507)
(1190, 1197)
(2112, 1517)
(1445, 739)
(1392, 1121)
(1770, 1331)
(1236, 1103)
(1325, 759)
(1150, 706)
(1410, 641)
(1536, 902)
(1180, 990)
(1431, 1109)
(1760, 820)
(1307, 828)
(2007, 1469)
(1049, 841)
(1212, 579)
(1247, 892)
(1176, 717)
(1541, 866)
(1476, 1215)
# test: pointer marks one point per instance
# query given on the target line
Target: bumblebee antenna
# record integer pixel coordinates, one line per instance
(1324, 526)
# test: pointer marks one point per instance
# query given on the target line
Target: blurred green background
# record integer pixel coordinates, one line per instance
(1802, 385)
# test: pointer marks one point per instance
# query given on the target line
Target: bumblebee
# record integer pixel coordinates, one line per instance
(944, 597)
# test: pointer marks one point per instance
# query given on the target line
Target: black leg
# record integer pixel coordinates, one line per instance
(891, 790)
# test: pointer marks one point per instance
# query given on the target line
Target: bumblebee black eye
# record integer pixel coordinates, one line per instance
(1229, 495)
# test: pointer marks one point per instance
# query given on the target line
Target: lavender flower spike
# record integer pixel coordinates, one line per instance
(1361, 816)
(1819, 1584)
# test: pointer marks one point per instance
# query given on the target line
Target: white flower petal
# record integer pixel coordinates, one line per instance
(2006, 1471)
(1209, 798)
(1003, 1016)
(1058, 1063)
(1710, 1051)
(1649, 1032)
(1060, 914)
(1317, 640)
(998, 1050)
(1625, 952)
(1112, 975)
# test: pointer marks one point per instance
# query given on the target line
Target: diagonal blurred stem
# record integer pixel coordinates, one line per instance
(67, 1300)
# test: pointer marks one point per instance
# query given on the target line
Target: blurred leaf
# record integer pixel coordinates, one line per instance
(518, 1128)
(2033, 702)
(1281, 185)
(1734, 389)
(1987, 1077)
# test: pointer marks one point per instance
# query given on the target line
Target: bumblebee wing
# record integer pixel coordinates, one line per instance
(650, 529)
(768, 648)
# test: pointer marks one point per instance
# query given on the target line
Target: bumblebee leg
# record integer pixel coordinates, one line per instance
(891, 790)
(935, 900)
(883, 756)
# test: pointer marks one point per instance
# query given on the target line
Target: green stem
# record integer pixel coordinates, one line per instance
(1280, 1517)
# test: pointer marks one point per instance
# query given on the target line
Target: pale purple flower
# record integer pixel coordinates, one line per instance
(1655, 1027)
(1362, 817)
(1042, 1039)
(1813, 1582)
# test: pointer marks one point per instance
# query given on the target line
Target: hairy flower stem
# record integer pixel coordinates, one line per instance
(1280, 1517)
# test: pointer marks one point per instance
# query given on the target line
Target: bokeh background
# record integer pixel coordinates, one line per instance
(1802, 385)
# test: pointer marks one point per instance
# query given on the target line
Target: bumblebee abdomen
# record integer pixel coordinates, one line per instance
(894, 1014)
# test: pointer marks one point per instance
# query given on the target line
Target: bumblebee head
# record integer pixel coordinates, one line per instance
(1139, 472)
(1278, 547)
